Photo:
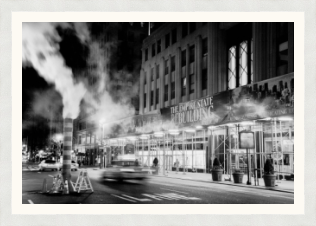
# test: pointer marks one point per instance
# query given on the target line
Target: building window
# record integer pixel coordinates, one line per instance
(152, 74)
(159, 46)
(82, 125)
(166, 67)
(166, 93)
(157, 96)
(192, 54)
(173, 63)
(183, 86)
(204, 47)
(184, 29)
(282, 45)
(173, 90)
(204, 63)
(192, 26)
(183, 58)
(191, 83)
(174, 36)
(232, 72)
(204, 79)
(240, 64)
(153, 50)
(145, 100)
(152, 98)
(240, 56)
(146, 54)
(145, 78)
(243, 63)
(167, 41)
(157, 71)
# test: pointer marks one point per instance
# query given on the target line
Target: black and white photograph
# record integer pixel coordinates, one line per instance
(158, 113)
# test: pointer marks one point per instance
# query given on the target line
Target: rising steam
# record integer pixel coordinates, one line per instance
(41, 49)
(98, 98)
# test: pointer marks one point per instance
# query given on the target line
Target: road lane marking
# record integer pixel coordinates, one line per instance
(123, 198)
(140, 200)
(182, 196)
(30, 201)
(165, 196)
(174, 190)
(152, 196)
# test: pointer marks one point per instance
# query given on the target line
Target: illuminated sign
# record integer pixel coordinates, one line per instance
(192, 111)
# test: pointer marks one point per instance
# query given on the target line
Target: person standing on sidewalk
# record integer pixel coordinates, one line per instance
(155, 162)
(177, 165)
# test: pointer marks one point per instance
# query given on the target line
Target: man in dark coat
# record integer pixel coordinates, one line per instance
(155, 162)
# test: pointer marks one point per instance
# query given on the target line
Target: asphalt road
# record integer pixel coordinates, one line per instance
(155, 190)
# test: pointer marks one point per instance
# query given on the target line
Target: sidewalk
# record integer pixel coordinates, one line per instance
(281, 185)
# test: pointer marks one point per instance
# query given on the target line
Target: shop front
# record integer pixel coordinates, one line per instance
(194, 133)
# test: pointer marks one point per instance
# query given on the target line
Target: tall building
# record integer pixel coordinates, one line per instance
(187, 61)
(211, 91)
(211, 81)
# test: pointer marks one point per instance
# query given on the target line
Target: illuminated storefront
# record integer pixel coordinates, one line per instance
(196, 132)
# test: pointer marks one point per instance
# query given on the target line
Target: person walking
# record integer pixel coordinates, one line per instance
(79, 163)
(155, 162)
(177, 165)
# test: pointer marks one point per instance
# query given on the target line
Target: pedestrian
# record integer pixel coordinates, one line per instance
(155, 162)
(136, 162)
(177, 165)
(79, 163)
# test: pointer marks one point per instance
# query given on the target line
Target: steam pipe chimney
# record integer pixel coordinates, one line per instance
(68, 127)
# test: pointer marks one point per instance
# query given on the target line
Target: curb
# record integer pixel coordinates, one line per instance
(236, 185)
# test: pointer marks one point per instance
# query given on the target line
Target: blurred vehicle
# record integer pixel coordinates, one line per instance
(42, 155)
(74, 166)
(50, 164)
(24, 156)
(125, 168)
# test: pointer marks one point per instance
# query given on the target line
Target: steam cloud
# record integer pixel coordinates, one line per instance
(99, 98)
(40, 48)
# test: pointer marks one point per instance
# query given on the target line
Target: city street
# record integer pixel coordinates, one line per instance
(155, 190)
(168, 96)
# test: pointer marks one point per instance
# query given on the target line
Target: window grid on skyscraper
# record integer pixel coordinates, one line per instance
(232, 68)
(243, 63)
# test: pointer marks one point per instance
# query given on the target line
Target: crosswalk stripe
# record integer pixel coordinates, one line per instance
(164, 196)
(30, 201)
(141, 200)
(174, 190)
(123, 198)
(152, 196)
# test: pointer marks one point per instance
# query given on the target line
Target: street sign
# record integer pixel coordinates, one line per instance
(246, 140)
